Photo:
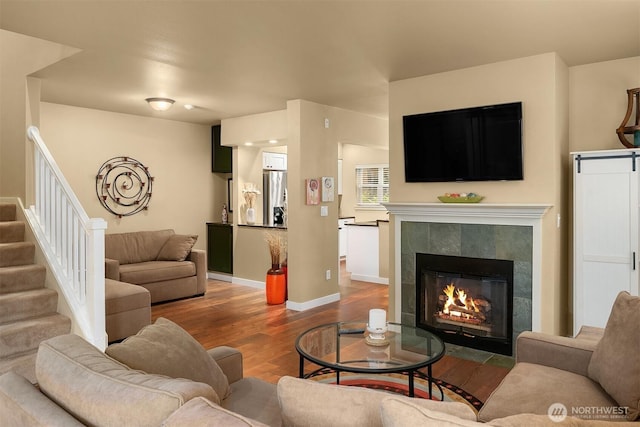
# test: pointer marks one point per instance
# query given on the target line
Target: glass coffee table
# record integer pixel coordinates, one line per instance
(345, 347)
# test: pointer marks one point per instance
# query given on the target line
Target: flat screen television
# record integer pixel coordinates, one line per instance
(470, 144)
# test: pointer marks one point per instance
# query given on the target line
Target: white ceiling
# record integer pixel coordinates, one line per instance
(233, 58)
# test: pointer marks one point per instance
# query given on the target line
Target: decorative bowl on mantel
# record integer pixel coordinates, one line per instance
(460, 198)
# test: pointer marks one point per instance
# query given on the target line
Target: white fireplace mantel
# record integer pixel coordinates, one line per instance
(519, 213)
(473, 213)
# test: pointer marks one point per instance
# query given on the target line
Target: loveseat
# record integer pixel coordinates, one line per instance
(161, 261)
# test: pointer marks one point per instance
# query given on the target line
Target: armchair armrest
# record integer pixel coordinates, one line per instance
(568, 354)
(112, 269)
(230, 361)
(199, 258)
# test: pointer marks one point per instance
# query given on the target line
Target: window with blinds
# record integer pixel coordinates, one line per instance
(372, 184)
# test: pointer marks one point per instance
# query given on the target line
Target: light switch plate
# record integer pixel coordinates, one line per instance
(324, 210)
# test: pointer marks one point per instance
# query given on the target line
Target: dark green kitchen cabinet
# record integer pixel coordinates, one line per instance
(220, 247)
(221, 157)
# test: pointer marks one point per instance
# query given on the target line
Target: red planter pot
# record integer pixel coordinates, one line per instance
(276, 285)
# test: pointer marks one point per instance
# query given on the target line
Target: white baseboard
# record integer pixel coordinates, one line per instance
(246, 282)
(219, 276)
(302, 306)
(291, 305)
(372, 279)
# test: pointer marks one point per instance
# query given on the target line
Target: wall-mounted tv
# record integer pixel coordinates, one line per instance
(470, 144)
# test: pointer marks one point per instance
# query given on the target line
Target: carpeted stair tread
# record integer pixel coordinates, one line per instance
(24, 336)
(22, 278)
(19, 253)
(11, 231)
(7, 212)
(24, 305)
(23, 364)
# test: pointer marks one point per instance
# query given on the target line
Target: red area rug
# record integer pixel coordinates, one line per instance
(398, 383)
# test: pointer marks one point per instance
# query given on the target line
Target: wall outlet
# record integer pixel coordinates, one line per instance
(327, 275)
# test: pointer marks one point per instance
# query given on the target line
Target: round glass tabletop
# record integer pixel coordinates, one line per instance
(346, 346)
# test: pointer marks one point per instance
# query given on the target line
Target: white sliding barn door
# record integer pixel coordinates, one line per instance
(605, 233)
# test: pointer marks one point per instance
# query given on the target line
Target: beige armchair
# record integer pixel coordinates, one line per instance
(595, 375)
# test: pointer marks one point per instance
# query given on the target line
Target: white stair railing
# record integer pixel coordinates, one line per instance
(72, 242)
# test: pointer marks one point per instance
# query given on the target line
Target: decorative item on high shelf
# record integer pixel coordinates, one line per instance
(628, 127)
(460, 198)
(250, 192)
(123, 186)
(276, 284)
(225, 215)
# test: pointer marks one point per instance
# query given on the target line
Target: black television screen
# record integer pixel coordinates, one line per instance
(471, 144)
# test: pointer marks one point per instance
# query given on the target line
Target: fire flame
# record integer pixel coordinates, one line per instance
(461, 299)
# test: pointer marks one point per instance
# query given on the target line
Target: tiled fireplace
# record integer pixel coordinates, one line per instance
(511, 233)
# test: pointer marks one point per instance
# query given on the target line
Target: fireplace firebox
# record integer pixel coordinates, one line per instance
(466, 301)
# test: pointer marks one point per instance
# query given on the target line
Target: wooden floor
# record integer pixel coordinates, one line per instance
(238, 316)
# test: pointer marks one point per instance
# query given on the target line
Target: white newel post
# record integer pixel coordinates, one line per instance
(95, 279)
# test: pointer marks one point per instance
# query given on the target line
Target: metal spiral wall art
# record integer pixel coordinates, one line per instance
(123, 186)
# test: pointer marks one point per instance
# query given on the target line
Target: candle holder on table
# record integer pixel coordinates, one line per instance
(377, 328)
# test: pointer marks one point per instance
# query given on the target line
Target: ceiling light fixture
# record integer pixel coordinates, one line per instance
(189, 106)
(160, 104)
(273, 141)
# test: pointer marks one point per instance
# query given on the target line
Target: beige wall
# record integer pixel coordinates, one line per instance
(541, 84)
(254, 128)
(352, 156)
(598, 102)
(186, 194)
(313, 240)
(20, 56)
(312, 151)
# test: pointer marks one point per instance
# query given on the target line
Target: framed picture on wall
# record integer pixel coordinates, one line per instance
(313, 191)
(327, 189)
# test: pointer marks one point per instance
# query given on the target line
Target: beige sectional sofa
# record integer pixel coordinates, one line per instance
(162, 376)
(161, 261)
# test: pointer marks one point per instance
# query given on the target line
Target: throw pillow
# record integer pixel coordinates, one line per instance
(615, 363)
(177, 248)
(165, 348)
(400, 413)
(200, 412)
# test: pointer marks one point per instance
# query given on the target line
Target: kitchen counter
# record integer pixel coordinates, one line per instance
(369, 223)
(279, 227)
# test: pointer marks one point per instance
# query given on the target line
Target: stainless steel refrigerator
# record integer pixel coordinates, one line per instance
(274, 199)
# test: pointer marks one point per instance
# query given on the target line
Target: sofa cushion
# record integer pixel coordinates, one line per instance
(137, 246)
(531, 388)
(165, 348)
(305, 402)
(401, 412)
(177, 248)
(121, 297)
(156, 271)
(255, 399)
(22, 404)
(615, 363)
(100, 391)
(530, 420)
(200, 412)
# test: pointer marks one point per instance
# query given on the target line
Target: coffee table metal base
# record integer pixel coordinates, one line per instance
(409, 374)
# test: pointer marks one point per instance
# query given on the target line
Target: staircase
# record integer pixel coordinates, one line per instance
(28, 313)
